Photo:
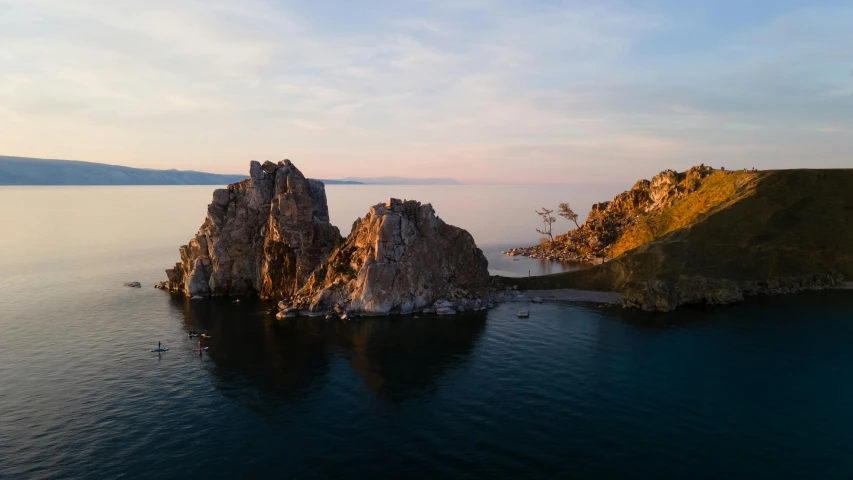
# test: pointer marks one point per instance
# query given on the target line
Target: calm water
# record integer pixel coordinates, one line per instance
(759, 390)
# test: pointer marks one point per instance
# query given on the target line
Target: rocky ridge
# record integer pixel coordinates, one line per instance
(590, 242)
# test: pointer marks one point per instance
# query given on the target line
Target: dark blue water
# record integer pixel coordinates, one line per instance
(759, 390)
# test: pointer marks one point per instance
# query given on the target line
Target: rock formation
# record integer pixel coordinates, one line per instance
(264, 235)
(400, 258)
(271, 235)
(606, 220)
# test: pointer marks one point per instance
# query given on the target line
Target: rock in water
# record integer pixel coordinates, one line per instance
(400, 258)
(264, 235)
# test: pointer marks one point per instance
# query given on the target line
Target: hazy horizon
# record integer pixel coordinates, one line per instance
(483, 92)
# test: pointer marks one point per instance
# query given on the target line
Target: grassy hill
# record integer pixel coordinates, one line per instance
(738, 226)
(718, 190)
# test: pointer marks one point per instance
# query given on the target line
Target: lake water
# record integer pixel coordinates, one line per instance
(758, 390)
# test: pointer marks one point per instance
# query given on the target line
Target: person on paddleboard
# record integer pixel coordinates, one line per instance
(199, 346)
(158, 346)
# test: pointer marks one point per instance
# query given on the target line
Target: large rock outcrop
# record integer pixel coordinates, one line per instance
(264, 235)
(400, 258)
(270, 235)
(607, 220)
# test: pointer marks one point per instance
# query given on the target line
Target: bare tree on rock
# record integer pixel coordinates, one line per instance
(565, 211)
(547, 220)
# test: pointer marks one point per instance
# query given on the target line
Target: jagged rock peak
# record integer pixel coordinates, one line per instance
(264, 235)
(399, 258)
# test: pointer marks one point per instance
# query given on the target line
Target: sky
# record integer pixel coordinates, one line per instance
(501, 91)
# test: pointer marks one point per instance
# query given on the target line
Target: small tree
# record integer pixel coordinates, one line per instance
(565, 211)
(547, 221)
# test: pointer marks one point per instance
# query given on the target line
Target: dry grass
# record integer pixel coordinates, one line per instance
(741, 226)
(718, 189)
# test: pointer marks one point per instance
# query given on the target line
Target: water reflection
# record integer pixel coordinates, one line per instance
(399, 358)
(248, 348)
(395, 358)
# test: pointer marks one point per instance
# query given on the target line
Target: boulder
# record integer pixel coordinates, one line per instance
(287, 313)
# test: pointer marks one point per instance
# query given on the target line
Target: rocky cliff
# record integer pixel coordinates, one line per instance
(606, 221)
(264, 235)
(399, 258)
(737, 234)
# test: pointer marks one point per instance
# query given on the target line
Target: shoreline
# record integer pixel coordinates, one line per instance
(540, 252)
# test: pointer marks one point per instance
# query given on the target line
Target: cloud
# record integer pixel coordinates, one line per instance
(598, 90)
(307, 125)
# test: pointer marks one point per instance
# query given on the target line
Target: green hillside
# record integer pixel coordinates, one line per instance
(739, 226)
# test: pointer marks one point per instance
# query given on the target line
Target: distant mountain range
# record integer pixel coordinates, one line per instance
(39, 171)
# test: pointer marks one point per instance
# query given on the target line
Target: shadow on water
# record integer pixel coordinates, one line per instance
(249, 348)
(283, 361)
(765, 307)
(398, 358)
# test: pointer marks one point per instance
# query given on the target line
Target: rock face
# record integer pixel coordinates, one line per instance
(606, 220)
(264, 235)
(666, 295)
(400, 258)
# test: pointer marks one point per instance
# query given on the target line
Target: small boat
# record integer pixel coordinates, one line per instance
(523, 314)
